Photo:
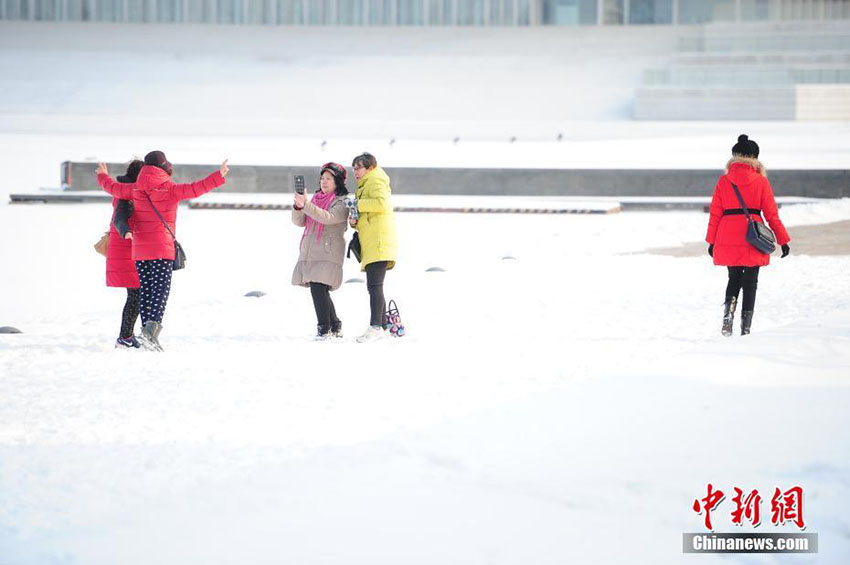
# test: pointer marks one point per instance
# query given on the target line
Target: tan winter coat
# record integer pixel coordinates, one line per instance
(321, 261)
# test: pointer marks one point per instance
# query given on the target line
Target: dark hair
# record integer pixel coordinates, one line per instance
(339, 174)
(365, 159)
(341, 189)
(132, 172)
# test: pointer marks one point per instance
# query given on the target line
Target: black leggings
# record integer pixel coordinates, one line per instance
(375, 274)
(325, 311)
(131, 312)
(746, 278)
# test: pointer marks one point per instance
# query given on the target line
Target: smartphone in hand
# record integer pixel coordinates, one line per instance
(299, 184)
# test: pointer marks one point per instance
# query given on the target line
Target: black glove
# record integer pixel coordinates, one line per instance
(786, 249)
(711, 250)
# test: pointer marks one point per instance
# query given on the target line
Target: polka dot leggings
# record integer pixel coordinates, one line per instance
(155, 279)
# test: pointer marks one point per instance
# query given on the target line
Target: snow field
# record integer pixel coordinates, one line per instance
(536, 407)
(566, 405)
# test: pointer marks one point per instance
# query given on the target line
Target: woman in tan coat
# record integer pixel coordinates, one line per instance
(322, 249)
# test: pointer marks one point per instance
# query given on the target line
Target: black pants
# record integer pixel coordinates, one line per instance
(131, 312)
(375, 274)
(746, 278)
(155, 279)
(325, 311)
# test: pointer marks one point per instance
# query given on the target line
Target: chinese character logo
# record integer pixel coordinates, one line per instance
(785, 506)
(709, 503)
(748, 507)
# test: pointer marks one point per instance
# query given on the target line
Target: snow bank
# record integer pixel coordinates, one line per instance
(816, 213)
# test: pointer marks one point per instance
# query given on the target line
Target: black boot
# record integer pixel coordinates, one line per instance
(746, 321)
(336, 329)
(149, 337)
(323, 331)
(729, 315)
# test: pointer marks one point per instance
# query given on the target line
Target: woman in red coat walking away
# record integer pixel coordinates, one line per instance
(727, 229)
(120, 267)
(154, 194)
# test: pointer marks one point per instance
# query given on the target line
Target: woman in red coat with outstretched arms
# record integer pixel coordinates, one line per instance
(153, 245)
(727, 229)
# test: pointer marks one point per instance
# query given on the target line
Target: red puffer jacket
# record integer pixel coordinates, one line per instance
(120, 267)
(729, 233)
(150, 238)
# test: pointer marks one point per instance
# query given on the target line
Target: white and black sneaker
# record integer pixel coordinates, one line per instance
(127, 343)
(372, 333)
(323, 332)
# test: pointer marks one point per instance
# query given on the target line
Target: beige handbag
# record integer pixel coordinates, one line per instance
(102, 244)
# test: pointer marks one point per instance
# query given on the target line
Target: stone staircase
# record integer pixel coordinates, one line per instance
(772, 71)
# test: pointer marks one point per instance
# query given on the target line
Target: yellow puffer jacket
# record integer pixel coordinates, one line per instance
(376, 226)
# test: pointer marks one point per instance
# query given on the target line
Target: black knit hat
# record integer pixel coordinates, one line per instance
(157, 159)
(132, 172)
(746, 147)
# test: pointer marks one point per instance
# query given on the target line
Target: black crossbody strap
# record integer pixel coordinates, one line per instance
(741, 200)
(161, 219)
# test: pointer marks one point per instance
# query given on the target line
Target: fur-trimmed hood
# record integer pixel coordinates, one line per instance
(749, 161)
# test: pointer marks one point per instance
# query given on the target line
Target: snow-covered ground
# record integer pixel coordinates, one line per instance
(538, 406)
(560, 396)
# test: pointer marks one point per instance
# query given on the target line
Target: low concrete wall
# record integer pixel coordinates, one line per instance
(81, 176)
(537, 182)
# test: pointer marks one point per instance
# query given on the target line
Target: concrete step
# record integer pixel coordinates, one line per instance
(763, 75)
(766, 43)
(800, 102)
(800, 26)
(815, 58)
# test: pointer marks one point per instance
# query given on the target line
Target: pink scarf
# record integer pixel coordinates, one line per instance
(323, 201)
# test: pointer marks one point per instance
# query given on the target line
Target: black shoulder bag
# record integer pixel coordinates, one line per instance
(354, 247)
(179, 255)
(758, 235)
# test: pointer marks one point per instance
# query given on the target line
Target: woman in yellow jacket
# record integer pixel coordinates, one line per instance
(376, 230)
